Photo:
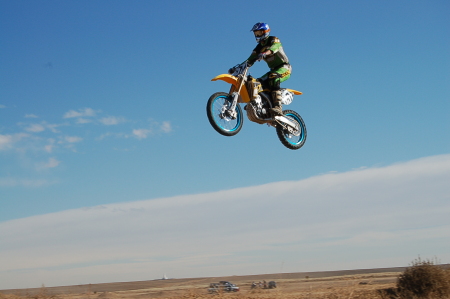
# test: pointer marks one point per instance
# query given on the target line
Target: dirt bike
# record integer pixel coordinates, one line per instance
(226, 117)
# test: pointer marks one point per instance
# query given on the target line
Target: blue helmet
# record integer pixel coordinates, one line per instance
(262, 31)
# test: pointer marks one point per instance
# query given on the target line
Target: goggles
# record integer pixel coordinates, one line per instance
(258, 33)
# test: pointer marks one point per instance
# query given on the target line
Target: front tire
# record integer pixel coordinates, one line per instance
(289, 140)
(223, 124)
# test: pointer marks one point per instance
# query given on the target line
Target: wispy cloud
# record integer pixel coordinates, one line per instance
(72, 139)
(50, 145)
(84, 121)
(41, 127)
(7, 141)
(53, 127)
(155, 127)
(86, 112)
(112, 120)
(35, 140)
(2, 106)
(110, 134)
(35, 128)
(51, 163)
(166, 127)
(89, 115)
(373, 217)
(141, 133)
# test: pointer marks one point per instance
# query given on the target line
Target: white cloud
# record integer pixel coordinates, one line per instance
(2, 106)
(7, 141)
(113, 135)
(31, 116)
(166, 127)
(35, 128)
(84, 121)
(52, 127)
(141, 133)
(51, 163)
(73, 139)
(86, 112)
(112, 120)
(51, 144)
(365, 218)
(49, 148)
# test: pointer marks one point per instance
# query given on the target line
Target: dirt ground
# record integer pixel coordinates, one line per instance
(308, 285)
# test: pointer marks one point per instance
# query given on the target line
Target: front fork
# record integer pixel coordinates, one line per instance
(234, 92)
(229, 110)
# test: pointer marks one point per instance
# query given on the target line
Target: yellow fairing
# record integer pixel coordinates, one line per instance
(227, 78)
(234, 81)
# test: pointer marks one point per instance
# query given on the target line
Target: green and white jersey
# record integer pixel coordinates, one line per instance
(275, 60)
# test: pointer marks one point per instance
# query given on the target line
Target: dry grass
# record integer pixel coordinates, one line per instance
(317, 294)
(344, 288)
(432, 282)
(42, 294)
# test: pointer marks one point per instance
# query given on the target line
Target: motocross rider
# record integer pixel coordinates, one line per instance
(270, 50)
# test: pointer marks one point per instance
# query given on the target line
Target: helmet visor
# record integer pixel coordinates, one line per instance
(258, 33)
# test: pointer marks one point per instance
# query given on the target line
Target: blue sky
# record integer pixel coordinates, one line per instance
(103, 103)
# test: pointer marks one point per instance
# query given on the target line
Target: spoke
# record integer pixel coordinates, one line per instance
(226, 123)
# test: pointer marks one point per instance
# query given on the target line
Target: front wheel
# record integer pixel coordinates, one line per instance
(220, 118)
(293, 139)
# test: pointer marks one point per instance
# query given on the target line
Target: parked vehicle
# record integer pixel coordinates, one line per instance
(222, 286)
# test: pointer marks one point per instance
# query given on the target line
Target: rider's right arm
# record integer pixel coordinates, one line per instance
(254, 56)
(252, 59)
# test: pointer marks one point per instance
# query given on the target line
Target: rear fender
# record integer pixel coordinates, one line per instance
(296, 92)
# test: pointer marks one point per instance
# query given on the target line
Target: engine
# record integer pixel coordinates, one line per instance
(258, 110)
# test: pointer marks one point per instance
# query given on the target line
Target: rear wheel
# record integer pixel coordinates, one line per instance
(296, 138)
(220, 120)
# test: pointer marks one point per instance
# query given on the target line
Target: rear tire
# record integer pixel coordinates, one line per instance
(224, 125)
(289, 140)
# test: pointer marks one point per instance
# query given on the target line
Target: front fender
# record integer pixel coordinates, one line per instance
(227, 78)
(234, 81)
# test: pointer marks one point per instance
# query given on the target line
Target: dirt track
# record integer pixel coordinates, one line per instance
(288, 284)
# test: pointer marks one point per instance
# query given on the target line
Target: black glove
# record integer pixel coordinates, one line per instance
(231, 71)
(261, 56)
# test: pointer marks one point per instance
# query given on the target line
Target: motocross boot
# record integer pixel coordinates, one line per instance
(276, 100)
